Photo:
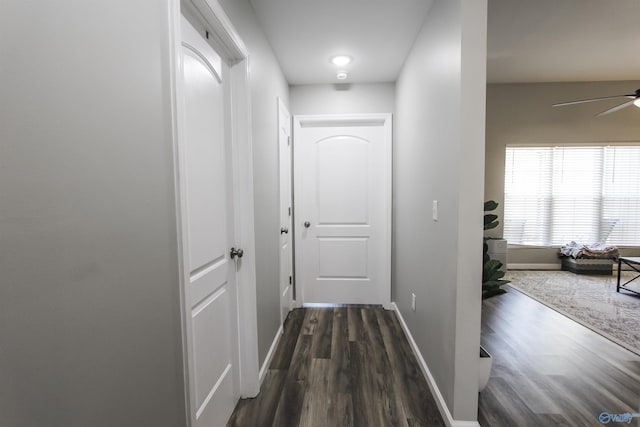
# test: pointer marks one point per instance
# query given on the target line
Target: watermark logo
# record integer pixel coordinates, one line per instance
(606, 418)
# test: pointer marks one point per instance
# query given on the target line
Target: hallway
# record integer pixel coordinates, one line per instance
(347, 366)
(143, 226)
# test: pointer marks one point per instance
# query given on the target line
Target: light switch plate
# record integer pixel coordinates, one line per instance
(435, 210)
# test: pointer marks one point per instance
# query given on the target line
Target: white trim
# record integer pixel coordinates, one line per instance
(442, 405)
(388, 166)
(247, 299)
(346, 121)
(175, 62)
(534, 266)
(285, 119)
(220, 28)
(596, 143)
(234, 53)
(272, 351)
(554, 267)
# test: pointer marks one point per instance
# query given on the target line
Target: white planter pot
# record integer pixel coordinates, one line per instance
(484, 368)
(497, 246)
(498, 251)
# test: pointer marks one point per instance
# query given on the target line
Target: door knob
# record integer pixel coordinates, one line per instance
(307, 224)
(284, 230)
(236, 253)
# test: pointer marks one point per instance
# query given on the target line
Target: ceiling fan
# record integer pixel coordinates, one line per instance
(635, 99)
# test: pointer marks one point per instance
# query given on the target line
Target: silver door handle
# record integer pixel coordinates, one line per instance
(307, 224)
(236, 253)
(284, 230)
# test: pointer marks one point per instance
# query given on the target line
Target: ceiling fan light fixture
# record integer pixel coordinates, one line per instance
(341, 60)
(341, 75)
(635, 100)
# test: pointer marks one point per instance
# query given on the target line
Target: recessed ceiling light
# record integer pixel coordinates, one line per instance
(341, 75)
(341, 60)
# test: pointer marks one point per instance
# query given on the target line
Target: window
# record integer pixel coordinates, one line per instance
(554, 195)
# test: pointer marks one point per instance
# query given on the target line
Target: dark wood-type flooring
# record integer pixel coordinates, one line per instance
(334, 367)
(549, 370)
(354, 367)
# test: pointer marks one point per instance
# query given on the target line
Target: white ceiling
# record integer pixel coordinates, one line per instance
(528, 40)
(305, 34)
(563, 40)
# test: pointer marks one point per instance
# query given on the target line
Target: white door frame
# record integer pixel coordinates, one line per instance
(342, 120)
(233, 51)
(284, 119)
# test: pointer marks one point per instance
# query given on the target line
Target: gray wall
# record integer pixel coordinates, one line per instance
(439, 156)
(89, 306)
(343, 98)
(267, 83)
(522, 114)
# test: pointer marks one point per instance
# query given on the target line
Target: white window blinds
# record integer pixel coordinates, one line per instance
(554, 195)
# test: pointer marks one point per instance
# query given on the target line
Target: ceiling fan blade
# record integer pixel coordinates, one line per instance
(582, 101)
(616, 108)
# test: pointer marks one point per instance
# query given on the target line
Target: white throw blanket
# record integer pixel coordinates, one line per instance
(592, 250)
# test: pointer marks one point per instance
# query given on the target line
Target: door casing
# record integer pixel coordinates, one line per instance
(285, 146)
(230, 46)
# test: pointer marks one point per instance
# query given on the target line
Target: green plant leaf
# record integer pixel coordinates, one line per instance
(490, 205)
(491, 225)
(491, 266)
(492, 271)
(492, 293)
(489, 218)
(492, 276)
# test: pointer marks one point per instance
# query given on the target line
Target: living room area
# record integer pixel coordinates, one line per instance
(565, 345)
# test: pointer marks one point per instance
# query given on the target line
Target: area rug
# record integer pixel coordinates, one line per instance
(589, 300)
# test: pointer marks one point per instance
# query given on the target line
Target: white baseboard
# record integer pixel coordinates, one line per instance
(442, 405)
(555, 267)
(272, 350)
(534, 266)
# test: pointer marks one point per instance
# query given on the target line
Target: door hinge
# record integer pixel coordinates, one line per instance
(289, 210)
(290, 280)
(288, 140)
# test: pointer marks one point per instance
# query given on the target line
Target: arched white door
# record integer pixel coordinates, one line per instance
(286, 207)
(343, 209)
(208, 214)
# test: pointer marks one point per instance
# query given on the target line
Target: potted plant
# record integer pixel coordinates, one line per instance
(492, 282)
(492, 273)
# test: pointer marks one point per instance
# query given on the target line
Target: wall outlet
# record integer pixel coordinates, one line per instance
(434, 209)
(413, 302)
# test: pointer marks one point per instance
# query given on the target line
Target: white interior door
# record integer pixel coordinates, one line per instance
(286, 231)
(209, 214)
(343, 208)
